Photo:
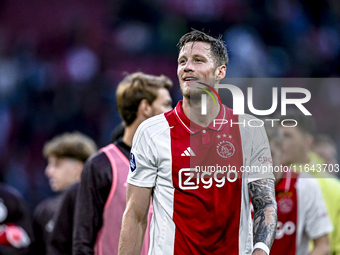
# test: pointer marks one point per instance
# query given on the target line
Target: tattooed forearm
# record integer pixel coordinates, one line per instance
(262, 195)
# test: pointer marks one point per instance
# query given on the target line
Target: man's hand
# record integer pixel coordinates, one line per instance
(135, 220)
(262, 195)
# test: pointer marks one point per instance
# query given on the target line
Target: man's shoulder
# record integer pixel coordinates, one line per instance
(96, 169)
(98, 159)
(153, 126)
(47, 206)
(305, 177)
(251, 126)
(330, 183)
(250, 120)
(72, 190)
(306, 183)
(156, 120)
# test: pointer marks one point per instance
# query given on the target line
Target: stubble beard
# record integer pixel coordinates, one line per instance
(191, 94)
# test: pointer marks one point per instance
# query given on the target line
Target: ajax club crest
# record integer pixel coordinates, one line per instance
(285, 205)
(225, 149)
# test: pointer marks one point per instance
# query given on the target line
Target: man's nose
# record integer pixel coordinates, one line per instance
(188, 66)
(48, 170)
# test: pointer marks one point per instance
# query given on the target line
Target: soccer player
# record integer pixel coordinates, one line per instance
(199, 212)
(66, 155)
(301, 211)
(297, 154)
(16, 233)
(101, 198)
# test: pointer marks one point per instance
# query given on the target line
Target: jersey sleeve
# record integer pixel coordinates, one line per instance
(317, 220)
(257, 158)
(143, 158)
(94, 188)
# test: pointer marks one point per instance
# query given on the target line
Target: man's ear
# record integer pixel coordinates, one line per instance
(144, 109)
(220, 72)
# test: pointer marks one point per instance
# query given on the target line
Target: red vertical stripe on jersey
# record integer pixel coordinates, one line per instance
(286, 197)
(206, 210)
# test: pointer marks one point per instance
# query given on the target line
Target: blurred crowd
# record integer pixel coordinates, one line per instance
(60, 62)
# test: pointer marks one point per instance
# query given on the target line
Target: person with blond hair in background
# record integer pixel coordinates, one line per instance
(66, 155)
(101, 198)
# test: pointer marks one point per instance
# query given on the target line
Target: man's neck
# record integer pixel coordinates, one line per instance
(304, 159)
(130, 132)
(192, 109)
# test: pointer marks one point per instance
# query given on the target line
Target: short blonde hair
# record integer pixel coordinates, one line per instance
(134, 88)
(70, 145)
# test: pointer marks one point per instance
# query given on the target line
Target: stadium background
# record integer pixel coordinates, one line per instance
(60, 62)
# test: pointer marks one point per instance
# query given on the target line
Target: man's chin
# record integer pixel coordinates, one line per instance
(194, 95)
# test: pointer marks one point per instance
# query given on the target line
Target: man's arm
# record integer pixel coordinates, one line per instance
(317, 224)
(61, 237)
(135, 220)
(95, 185)
(321, 246)
(262, 195)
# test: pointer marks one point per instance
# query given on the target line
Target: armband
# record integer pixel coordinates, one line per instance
(261, 246)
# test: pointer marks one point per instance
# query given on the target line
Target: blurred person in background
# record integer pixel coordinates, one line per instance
(326, 148)
(101, 198)
(60, 239)
(301, 210)
(66, 155)
(16, 232)
(296, 153)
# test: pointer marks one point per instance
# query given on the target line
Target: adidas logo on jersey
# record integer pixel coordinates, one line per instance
(188, 152)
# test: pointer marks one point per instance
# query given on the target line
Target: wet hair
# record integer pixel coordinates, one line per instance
(218, 47)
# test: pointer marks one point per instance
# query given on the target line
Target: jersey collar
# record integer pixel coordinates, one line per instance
(193, 128)
(285, 182)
